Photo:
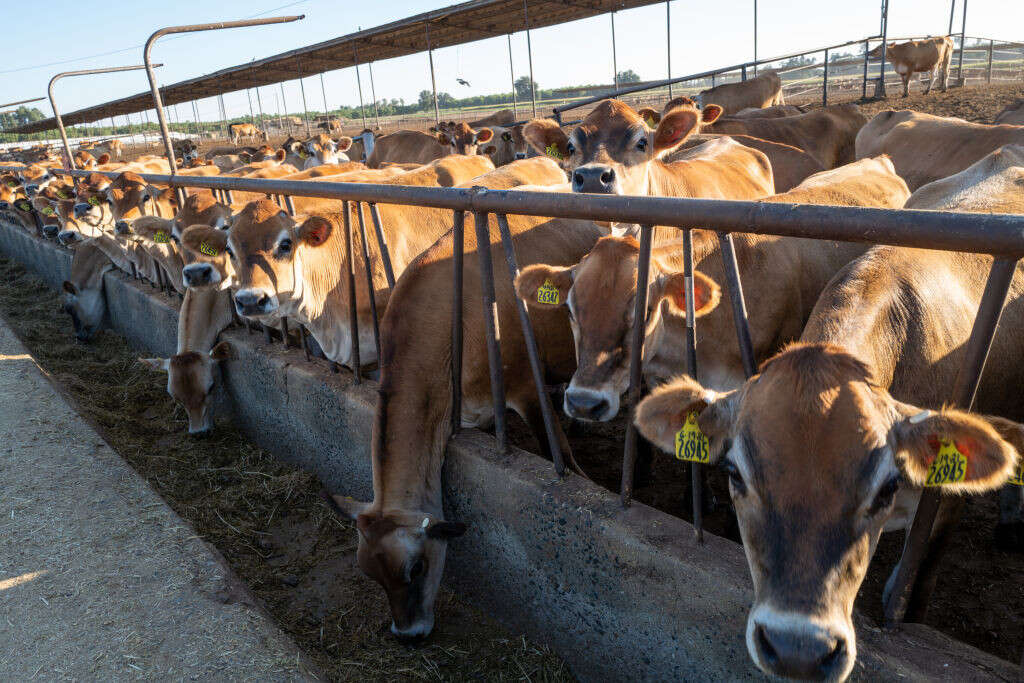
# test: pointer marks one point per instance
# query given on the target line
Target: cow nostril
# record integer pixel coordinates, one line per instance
(832, 657)
(771, 657)
(577, 179)
(608, 176)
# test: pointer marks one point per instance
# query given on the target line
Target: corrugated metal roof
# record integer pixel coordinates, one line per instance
(454, 25)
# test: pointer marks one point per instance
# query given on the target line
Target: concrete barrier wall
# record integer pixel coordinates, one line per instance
(619, 594)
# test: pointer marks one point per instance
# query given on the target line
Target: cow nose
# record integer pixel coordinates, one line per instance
(4, 206)
(520, 155)
(808, 653)
(585, 404)
(252, 302)
(67, 236)
(31, 190)
(594, 178)
(81, 208)
(196, 274)
(122, 228)
(50, 231)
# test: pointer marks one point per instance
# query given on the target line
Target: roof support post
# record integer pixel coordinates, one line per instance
(755, 38)
(433, 79)
(668, 43)
(373, 93)
(529, 52)
(323, 91)
(963, 44)
(252, 114)
(512, 74)
(259, 105)
(615, 57)
(952, 11)
(302, 89)
(880, 84)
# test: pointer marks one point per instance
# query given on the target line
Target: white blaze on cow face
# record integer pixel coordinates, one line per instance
(612, 150)
(816, 454)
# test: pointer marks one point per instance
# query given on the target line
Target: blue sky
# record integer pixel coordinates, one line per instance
(704, 36)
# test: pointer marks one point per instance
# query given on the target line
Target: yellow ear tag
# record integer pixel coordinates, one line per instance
(553, 151)
(949, 466)
(1017, 478)
(207, 249)
(650, 122)
(161, 237)
(48, 211)
(303, 154)
(61, 194)
(12, 183)
(547, 293)
(94, 201)
(691, 444)
(23, 205)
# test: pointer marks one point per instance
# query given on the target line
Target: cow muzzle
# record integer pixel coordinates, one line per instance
(794, 646)
(594, 179)
(31, 190)
(50, 231)
(199, 275)
(589, 404)
(254, 302)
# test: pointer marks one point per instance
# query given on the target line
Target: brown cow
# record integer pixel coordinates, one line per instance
(237, 131)
(765, 90)
(790, 166)
(414, 146)
(503, 118)
(827, 134)
(931, 55)
(1012, 114)
(776, 112)
(783, 276)
(834, 439)
(925, 148)
(83, 296)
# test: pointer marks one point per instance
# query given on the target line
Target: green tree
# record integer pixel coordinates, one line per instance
(426, 99)
(629, 76)
(523, 89)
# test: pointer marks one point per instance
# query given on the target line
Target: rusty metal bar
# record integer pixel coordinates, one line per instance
(284, 332)
(371, 290)
(353, 314)
(643, 267)
(696, 469)
(492, 327)
(382, 244)
(908, 583)
(458, 241)
(997, 234)
(739, 305)
(547, 411)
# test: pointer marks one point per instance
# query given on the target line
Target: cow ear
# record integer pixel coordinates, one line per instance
(344, 506)
(484, 134)
(710, 113)
(245, 157)
(343, 143)
(672, 286)
(650, 117)
(70, 288)
(222, 351)
(490, 149)
(104, 159)
(280, 155)
(204, 240)
(674, 128)
(666, 411)
(158, 364)
(315, 231)
(443, 138)
(547, 138)
(959, 451)
(544, 286)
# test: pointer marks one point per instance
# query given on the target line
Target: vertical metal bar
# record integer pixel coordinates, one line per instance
(743, 73)
(755, 39)
(266, 333)
(284, 332)
(880, 85)
(696, 469)
(668, 42)
(824, 83)
(963, 45)
(284, 104)
(353, 314)
(546, 410)
(864, 83)
(739, 305)
(615, 58)
(433, 80)
(458, 237)
(382, 244)
(491, 327)
(302, 88)
(529, 53)
(988, 75)
(252, 114)
(289, 204)
(952, 11)
(323, 91)
(371, 290)
(259, 105)
(304, 339)
(359, 80)
(990, 309)
(512, 73)
(373, 94)
(643, 266)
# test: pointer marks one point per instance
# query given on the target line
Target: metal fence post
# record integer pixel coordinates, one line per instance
(491, 326)
(373, 94)
(643, 267)
(302, 89)
(864, 83)
(880, 84)
(458, 240)
(668, 43)
(615, 58)
(433, 79)
(529, 53)
(696, 469)
(988, 75)
(963, 46)
(371, 289)
(908, 586)
(824, 83)
(359, 79)
(353, 314)
(512, 73)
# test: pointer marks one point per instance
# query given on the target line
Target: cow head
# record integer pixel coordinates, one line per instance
(599, 293)
(816, 454)
(191, 376)
(507, 145)
(461, 138)
(204, 251)
(202, 209)
(86, 304)
(612, 150)
(403, 551)
(266, 248)
(93, 205)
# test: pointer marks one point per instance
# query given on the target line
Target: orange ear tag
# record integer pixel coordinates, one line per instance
(547, 293)
(949, 466)
(691, 444)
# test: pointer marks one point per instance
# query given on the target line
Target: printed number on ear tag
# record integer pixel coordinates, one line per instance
(161, 237)
(12, 183)
(24, 206)
(207, 249)
(547, 293)
(48, 211)
(650, 122)
(1017, 478)
(949, 466)
(553, 151)
(691, 444)
(94, 201)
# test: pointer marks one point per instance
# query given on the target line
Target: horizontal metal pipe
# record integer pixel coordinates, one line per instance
(999, 234)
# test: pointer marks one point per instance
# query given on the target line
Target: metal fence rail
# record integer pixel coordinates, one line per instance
(997, 234)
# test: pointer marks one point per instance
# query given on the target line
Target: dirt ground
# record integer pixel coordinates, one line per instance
(976, 103)
(265, 517)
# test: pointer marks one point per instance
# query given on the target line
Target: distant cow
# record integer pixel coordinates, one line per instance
(1012, 114)
(931, 54)
(503, 118)
(237, 131)
(422, 148)
(332, 126)
(763, 91)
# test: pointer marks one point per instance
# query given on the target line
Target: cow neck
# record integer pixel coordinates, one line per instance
(321, 300)
(204, 313)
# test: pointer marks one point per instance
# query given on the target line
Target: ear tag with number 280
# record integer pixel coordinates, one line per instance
(691, 444)
(949, 466)
(547, 293)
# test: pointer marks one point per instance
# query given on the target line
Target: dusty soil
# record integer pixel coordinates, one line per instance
(265, 517)
(975, 103)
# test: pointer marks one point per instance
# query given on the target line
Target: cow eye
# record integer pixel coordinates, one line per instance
(570, 148)
(735, 478)
(884, 497)
(284, 246)
(416, 570)
(231, 254)
(641, 144)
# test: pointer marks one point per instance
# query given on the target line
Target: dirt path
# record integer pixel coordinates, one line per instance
(99, 579)
(266, 518)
